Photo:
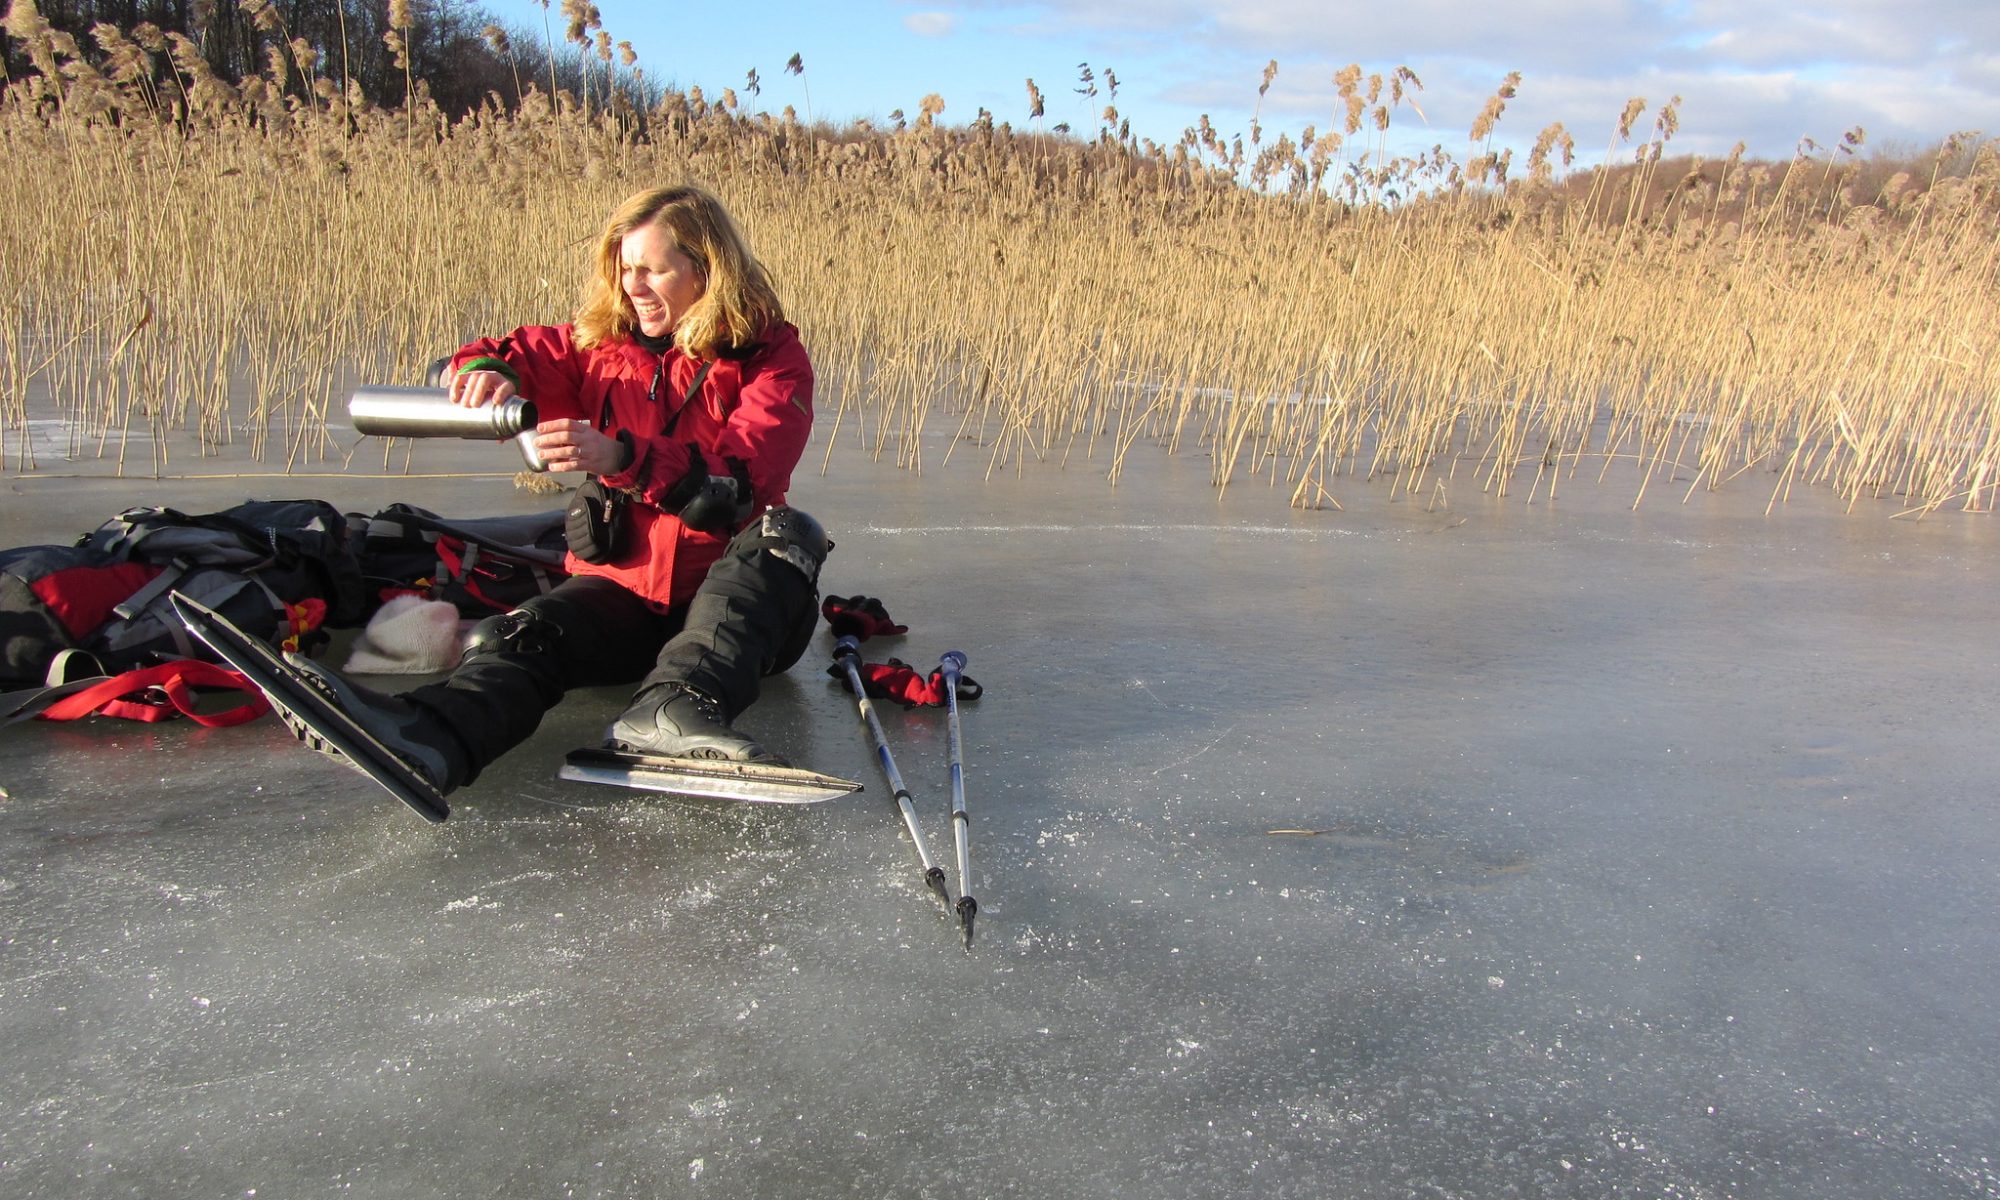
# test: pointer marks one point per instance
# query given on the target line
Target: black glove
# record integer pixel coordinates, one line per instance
(709, 502)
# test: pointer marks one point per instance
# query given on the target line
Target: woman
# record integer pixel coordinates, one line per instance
(681, 387)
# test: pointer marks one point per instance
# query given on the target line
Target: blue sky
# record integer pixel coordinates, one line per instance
(1909, 72)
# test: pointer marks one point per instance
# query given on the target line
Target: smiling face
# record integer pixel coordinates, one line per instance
(659, 280)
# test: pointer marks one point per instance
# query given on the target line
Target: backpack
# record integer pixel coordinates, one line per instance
(483, 565)
(295, 548)
(51, 599)
(279, 569)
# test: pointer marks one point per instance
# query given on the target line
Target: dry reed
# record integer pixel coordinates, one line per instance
(223, 261)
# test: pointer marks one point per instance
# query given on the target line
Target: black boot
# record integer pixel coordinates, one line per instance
(410, 732)
(674, 720)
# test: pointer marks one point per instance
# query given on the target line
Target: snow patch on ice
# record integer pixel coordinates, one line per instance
(473, 1006)
(1284, 531)
(547, 876)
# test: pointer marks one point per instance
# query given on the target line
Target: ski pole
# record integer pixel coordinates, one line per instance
(847, 652)
(951, 663)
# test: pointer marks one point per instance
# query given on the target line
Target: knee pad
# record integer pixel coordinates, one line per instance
(522, 631)
(791, 535)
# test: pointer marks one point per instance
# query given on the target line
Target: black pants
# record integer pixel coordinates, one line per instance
(753, 616)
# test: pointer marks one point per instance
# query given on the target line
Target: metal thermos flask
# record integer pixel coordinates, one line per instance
(427, 412)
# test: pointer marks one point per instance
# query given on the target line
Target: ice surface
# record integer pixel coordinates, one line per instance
(1490, 849)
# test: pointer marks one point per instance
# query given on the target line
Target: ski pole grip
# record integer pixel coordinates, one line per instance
(847, 647)
(951, 662)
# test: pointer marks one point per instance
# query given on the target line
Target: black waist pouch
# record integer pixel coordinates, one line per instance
(598, 515)
(595, 523)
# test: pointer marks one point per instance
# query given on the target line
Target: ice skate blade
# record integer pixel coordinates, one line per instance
(287, 690)
(757, 783)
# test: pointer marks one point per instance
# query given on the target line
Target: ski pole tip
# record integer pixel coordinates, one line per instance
(967, 909)
(935, 878)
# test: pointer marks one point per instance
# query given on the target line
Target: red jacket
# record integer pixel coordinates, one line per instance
(756, 407)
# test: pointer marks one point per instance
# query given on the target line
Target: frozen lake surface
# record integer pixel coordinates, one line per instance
(1491, 850)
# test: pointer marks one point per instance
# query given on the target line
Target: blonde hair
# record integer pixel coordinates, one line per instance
(737, 303)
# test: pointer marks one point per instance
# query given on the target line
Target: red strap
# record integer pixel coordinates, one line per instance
(472, 589)
(449, 557)
(457, 563)
(160, 692)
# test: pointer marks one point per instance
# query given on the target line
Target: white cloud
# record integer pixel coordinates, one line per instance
(1978, 71)
(1845, 31)
(930, 24)
(1768, 74)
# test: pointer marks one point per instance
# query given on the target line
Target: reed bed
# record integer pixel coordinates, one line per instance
(223, 263)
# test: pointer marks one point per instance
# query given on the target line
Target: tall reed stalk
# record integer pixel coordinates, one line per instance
(217, 264)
